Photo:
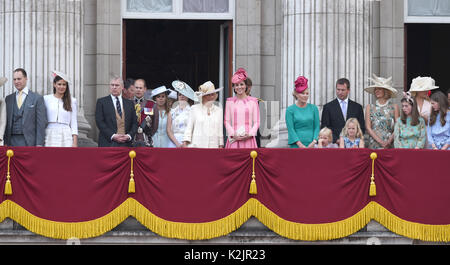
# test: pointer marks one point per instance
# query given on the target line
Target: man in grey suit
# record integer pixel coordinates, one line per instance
(26, 114)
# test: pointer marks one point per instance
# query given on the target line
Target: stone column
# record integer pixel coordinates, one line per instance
(41, 36)
(324, 40)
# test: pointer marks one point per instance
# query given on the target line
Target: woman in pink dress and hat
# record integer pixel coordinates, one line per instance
(241, 115)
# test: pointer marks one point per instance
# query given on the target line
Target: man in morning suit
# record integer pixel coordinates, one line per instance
(115, 117)
(26, 114)
(339, 110)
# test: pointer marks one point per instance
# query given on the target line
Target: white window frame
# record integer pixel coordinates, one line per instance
(423, 19)
(177, 13)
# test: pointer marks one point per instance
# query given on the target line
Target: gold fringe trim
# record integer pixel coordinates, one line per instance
(65, 230)
(194, 231)
(224, 226)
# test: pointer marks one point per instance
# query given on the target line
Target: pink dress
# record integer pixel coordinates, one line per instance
(241, 115)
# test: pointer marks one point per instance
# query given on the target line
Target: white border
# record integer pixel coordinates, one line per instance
(422, 19)
(177, 13)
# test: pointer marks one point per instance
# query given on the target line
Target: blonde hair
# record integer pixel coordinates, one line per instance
(359, 133)
(295, 93)
(327, 132)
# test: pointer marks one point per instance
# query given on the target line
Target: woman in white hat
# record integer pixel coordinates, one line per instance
(205, 125)
(380, 117)
(62, 127)
(178, 119)
(160, 96)
(420, 88)
(3, 80)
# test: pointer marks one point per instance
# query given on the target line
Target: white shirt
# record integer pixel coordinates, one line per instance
(121, 107)
(344, 111)
(57, 114)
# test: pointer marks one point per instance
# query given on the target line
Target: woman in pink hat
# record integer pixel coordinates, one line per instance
(302, 118)
(241, 115)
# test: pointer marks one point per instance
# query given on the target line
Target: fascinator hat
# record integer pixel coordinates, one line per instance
(184, 89)
(55, 73)
(3, 80)
(206, 89)
(380, 82)
(301, 84)
(408, 97)
(239, 76)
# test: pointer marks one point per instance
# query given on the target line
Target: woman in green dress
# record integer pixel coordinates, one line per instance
(410, 129)
(302, 118)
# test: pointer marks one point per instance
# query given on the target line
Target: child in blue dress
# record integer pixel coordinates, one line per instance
(438, 130)
(352, 135)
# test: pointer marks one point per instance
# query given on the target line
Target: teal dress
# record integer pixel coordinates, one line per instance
(303, 124)
(407, 136)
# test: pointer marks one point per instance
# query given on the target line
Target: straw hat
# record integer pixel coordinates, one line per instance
(206, 89)
(3, 80)
(422, 84)
(380, 82)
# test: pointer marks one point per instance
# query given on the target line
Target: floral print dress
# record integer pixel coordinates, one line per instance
(383, 121)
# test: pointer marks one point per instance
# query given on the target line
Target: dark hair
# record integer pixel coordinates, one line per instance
(129, 82)
(442, 100)
(67, 101)
(247, 82)
(343, 81)
(22, 71)
(414, 112)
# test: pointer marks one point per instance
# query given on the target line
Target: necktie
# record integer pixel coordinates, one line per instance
(119, 109)
(344, 109)
(19, 99)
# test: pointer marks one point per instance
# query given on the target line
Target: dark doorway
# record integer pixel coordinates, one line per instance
(161, 51)
(428, 53)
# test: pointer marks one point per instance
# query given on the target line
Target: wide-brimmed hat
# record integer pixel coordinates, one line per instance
(206, 89)
(159, 90)
(380, 82)
(422, 84)
(185, 89)
(55, 73)
(3, 80)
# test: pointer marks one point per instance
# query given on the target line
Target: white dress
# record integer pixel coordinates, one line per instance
(180, 119)
(205, 127)
(62, 124)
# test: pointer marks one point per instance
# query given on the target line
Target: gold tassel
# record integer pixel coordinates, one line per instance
(131, 184)
(373, 188)
(253, 190)
(8, 186)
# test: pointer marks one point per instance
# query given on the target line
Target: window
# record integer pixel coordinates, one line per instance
(178, 9)
(427, 11)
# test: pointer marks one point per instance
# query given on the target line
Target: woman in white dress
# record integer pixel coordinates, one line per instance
(179, 118)
(62, 128)
(205, 126)
(420, 88)
(160, 95)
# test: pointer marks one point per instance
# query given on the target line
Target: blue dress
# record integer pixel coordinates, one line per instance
(303, 124)
(349, 144)
(161, 139)
(437, 134)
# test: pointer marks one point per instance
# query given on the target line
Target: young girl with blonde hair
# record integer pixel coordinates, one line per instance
(352, 135)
